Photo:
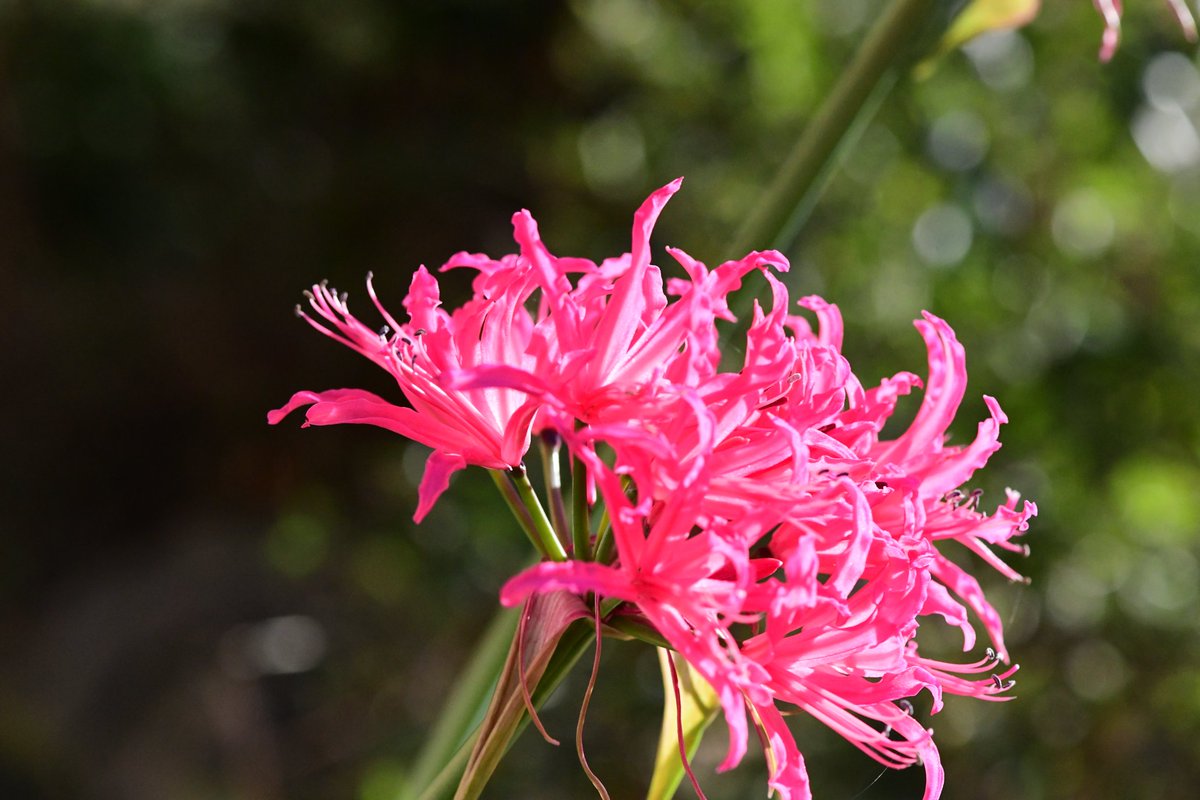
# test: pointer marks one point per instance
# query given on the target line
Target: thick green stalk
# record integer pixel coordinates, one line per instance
(581, 534)
(513, 500)
(604, 540)
(892, 43)
(520, 509)
(550, 544)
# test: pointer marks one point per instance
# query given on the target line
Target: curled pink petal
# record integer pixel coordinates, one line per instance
(438, 469)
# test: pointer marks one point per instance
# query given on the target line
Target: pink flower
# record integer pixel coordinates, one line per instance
(762, 525)
(792, 442)
(614, 335)
(487, 427)
(689, 586)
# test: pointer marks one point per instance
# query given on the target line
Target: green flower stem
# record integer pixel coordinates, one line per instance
(889, 46)
(604, 540)
(552, 467)
(635, 629)
(581, 534)
(551, 547)
(464, 707)
(513, 499)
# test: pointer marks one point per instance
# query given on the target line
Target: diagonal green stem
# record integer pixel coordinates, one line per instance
(550, 545)
(581, 534)
(509, 492)
(895, 39)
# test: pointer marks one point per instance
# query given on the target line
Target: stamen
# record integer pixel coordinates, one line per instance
(1001, 684)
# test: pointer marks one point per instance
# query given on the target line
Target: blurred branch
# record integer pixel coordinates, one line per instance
(905, 31)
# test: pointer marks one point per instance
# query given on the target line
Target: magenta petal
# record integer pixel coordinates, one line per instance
(572, 576)
(943, 393)
(298, 400)
(965, 586)
(615, 331)
(438, 470)
(490, 376)
(306, 398)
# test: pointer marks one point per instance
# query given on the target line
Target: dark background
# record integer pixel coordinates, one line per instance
(195, 605)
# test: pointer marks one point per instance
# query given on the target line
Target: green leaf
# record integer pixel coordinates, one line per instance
(549, 615)
(699, 706)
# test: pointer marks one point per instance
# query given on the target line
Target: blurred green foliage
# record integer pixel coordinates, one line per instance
(172, 174)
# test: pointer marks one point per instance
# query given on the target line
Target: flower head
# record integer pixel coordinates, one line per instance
(761, 524)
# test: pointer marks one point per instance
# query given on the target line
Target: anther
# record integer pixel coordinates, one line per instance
(343, 297)
(299, 311)
(905, 706)
(384, 331)
(990, 654)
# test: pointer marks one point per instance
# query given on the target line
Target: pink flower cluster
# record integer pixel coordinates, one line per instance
(762, 525)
